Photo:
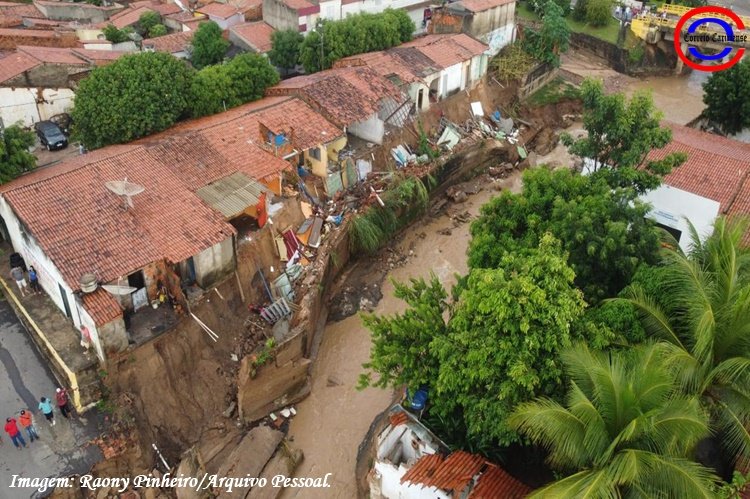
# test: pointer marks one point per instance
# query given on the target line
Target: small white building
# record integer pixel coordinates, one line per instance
(223, 14)
(410, 462)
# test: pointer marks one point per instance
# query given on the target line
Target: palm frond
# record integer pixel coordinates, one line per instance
(666, 476)
(653, 318)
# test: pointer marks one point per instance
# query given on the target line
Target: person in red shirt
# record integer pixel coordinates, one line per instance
(27, 422)
(11, 428)
(62, 401)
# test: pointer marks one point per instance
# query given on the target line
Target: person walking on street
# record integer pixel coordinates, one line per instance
(62, 401)
(28, 423)
(11, 428)
(46, 407)
(17, 274)
(34, 281)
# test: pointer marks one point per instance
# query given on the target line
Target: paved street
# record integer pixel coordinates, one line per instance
(26, 379)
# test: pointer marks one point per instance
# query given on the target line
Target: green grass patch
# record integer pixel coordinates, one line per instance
(553, 92)
(607, 33)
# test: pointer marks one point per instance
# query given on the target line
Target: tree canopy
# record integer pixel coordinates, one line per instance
(157, 30)
(499, 346)
(133, 96)
(603, 230)
(285, 47)
(727, 97)
(355, 34)
(115, 35)
(147, 21)
(208, 46)
(219, 87)
(624, 431)
(701, 309)
(620, 134)
(15, 157)
(553, 38)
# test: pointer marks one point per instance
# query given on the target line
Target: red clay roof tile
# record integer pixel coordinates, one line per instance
(256, 34)
(346, 95)
(452, 474)
(220, 10)
(101, 306)
(715, 168)
(53, 55)
(176, 42)
(448, 50)
(16, 63)
(496, 483)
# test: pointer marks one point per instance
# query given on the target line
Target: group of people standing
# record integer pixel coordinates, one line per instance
(26, 420)
(18, 275)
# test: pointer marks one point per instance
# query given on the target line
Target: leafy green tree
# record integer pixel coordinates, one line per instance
(727, 97)
(702, 310)
(620, 134)
(208, 45)
(134, 96)
(603, 230)
(251, 74)
(623, 431)
(114, 35)
(15, 157)
(499, 346)
(157, 30)
(212, 91)
(547, 44)
(148, 20)
(285, 48)
(579, 11)
(356, 34)
(598, 12)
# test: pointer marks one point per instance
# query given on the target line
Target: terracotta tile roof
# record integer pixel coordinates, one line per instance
(52, 55)
(127, 17)
(385, 63)
(452, 474)
(184, 16)
(448, 50)
(176, 42)
(193, 24)
(101, 306)
(27, 33)
(100, 57)
(346, 95)
(220, 10)
(480, 5)
(16, 63)
(276, 113)
(715, 168)
(298, 4)
(162, 8)
(20, 10)
(495, 483)
(82, 226)
(44, 23)
(246, 5)
(257, 34)
(398, 418)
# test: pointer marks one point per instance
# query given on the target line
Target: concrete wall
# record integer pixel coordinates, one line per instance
(493, 26)
(450, 80)
(50, 278)
(11, 40)
(214, 263)
(84, 12)
(671, 206)
(48, 76)
(20, 104)
(88, 322)
(330, 10)
(279, 15)
(328, 153)
(371, 130)
(237, 18)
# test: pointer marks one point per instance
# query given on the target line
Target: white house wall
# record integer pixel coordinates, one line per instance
(330, 10)
(450, 80)
(20, 105)
(215, 262)
(371, 130)
(670, 207)
(50, 278)
(499, 38)
(87, 321)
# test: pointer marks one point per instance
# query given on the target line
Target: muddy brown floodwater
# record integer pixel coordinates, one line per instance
(333, 420)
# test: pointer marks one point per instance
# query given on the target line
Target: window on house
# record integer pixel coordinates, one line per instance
(136, 280)
(315, 153)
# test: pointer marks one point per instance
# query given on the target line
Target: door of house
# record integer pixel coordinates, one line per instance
(140, 299)
(65, 300)
(420, 98)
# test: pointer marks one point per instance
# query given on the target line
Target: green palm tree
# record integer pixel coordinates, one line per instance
(703, 313)
(624, 431)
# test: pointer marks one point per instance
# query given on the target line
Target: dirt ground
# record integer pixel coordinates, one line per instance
(333, 420)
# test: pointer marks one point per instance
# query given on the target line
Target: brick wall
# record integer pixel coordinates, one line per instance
(445, 22)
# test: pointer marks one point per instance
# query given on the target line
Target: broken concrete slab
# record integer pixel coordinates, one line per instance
(283, 462)
(249, 458)
(272, 387)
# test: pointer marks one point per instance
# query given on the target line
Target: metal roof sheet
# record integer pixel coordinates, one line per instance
(232, 195)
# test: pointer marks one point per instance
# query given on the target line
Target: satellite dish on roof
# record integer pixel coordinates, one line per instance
(118, 290)
(125, 189)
